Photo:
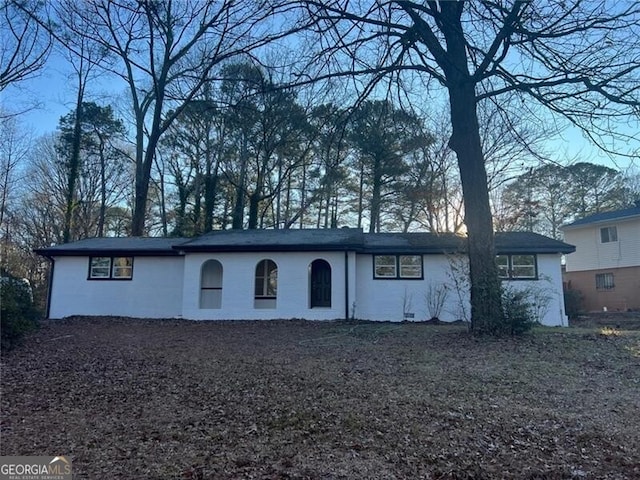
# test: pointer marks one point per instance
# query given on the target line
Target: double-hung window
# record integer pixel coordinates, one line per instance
(110, 268)
(397, 266)
(517, 267)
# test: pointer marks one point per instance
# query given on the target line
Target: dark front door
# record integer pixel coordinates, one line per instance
(320, 284)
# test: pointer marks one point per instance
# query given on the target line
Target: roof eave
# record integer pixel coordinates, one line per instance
(574, 225)
(49, 252)
(265, 248)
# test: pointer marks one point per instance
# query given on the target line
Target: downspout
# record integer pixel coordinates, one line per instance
(50, 286)
(346, 285)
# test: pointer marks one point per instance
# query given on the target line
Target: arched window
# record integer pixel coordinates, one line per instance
(211, 284)
(320, 283)
(266, 284)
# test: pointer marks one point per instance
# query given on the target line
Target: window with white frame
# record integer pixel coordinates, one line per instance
(517, 267)
(410, 266)
(385, 266)
(608, 234)
(110, 268)
(211, 284)
(397, 267)
(604, 281)
(266, 285)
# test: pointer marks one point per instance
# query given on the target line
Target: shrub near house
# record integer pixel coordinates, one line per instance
(17, 312)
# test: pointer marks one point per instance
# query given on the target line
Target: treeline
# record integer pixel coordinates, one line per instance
(545, 198)
(244, 154)
(247, 153)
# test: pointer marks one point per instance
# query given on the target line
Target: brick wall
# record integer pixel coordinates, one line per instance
(625, 295)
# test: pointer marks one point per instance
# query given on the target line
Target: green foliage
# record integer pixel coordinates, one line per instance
(547, 197)
(17, 312)
(518, 314)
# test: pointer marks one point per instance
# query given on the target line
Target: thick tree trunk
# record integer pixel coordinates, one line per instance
(143, 177)
(486, 309)
(254, 204)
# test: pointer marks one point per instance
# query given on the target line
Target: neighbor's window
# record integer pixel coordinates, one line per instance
(266, 279)
(608, 234)
(517, 267)
(604, 281)
(110, 268)
(397, 266)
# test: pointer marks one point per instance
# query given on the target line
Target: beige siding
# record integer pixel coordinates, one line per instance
(624, 296)
(592, 254)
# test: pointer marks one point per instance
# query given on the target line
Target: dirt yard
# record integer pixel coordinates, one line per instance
(129, 399)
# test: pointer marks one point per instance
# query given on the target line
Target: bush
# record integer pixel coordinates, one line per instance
(518, 311)
(17, 312)
(573, 303)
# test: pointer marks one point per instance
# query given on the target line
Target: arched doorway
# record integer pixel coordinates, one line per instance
(320, 284)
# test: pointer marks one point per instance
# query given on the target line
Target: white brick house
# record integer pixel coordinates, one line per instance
(274, 274)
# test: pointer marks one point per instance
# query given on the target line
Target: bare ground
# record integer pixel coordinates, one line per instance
(135, 399)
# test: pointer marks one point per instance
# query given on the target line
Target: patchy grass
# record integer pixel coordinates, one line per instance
(137, 399)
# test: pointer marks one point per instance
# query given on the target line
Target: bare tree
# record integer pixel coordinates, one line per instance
(14, 147)
(165, 52)
(25, 43)
(578, 59)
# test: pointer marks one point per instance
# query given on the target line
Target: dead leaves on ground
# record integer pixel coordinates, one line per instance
(139, 399)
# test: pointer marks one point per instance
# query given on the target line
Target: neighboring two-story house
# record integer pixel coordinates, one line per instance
(605, 268)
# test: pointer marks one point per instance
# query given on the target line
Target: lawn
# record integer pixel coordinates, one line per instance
(136, 399)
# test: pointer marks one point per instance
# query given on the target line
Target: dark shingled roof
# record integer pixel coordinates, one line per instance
(276, 240)
(529, 242)
(343, 239)
(147, 246)
(413, 242)
(607, 216)
(506, 242)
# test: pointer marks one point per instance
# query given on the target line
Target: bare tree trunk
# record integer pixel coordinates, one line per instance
(103, 190)
(360, 194)
(486, 305)
(238, 209)
(73, 167)
(374, 223)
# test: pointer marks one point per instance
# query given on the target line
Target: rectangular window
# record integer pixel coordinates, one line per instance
(397, 266)
(503, 265)
(100, 267)
(110, 268)
(122, 267)
(517, 267)
(385, 266)
(523, 266)
(604, 281)
(608, 234)
(410, 266)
